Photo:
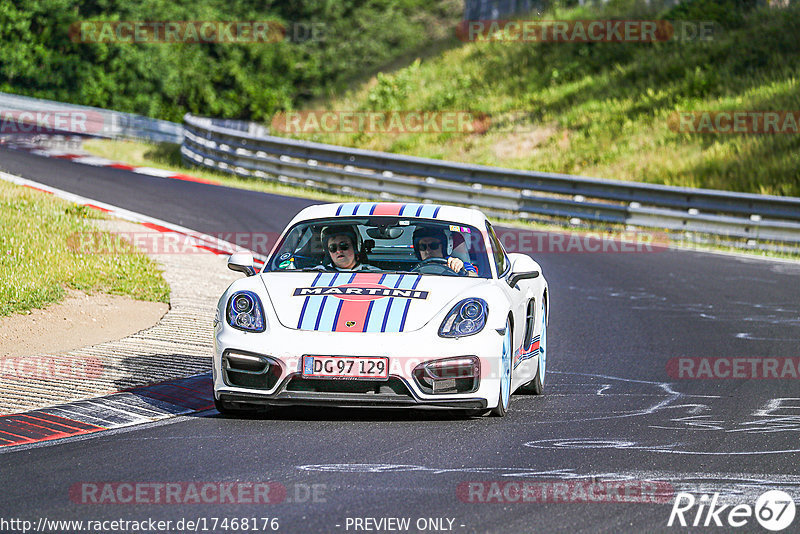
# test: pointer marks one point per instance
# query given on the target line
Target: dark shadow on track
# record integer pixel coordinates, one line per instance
(377, 415)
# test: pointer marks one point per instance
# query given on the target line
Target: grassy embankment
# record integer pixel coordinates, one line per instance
(603, 109)
(596, 109)
(41, 254)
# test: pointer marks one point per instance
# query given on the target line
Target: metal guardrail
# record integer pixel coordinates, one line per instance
(506, 193)
(495, 9)
(98, 122)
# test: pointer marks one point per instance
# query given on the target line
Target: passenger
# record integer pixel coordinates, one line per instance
(343, 245)
(431, 243)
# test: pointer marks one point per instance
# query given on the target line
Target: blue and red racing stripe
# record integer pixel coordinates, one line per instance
(527, 353)
(327, 313)
(426, 211)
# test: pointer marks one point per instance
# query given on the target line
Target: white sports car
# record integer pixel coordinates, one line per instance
(382, 305)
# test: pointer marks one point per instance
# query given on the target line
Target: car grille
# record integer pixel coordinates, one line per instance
(390, 387)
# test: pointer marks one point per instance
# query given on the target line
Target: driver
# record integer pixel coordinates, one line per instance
(342, 244)
(430, 243)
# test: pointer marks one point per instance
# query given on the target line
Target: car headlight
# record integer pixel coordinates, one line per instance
(244, 312)
(468, 317)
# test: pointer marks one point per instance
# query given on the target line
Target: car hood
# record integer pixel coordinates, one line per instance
(363, 302)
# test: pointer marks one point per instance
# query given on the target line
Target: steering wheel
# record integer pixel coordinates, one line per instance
(433, 266)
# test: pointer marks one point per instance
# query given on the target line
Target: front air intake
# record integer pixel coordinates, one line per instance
(453, 375)
(250, 370)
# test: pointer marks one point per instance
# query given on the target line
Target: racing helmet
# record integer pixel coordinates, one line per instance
(342, 229)
(444, 237)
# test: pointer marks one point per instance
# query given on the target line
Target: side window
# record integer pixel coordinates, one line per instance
(500, 259)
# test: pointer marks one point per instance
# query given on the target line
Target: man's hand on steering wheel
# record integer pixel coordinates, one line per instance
(446, 265)
(455, 264)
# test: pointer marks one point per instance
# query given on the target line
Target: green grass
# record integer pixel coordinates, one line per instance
(40, 255)
(602, 109)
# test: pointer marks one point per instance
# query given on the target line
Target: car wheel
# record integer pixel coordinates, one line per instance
(536, 386)
(505, 374)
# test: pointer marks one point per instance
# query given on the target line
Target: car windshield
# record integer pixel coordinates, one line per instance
(385, 244)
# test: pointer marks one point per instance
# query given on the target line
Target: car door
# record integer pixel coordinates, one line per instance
(517, 297)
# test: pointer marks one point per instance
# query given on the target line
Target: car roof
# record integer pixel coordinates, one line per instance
(434, 212)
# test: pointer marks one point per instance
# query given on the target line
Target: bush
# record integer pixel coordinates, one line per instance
(241, 81)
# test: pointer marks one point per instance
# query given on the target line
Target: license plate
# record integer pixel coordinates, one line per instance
(345, 367)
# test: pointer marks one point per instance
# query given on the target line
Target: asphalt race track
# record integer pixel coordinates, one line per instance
(612, 412)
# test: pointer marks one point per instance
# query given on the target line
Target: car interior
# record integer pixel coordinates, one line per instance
(385, 243)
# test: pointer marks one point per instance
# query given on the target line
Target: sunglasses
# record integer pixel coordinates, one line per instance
(342, 246)
(433, 246)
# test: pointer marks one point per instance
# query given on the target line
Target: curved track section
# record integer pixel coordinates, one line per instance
(614, 412)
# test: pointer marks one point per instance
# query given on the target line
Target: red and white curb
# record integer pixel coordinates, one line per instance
(197, 239)
(136, 406)
(127, 408)
(95, 161)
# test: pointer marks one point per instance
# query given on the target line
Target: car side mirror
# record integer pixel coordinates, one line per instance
(513, 278)
(242, 262)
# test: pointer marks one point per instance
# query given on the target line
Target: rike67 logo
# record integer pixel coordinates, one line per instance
(774, 510)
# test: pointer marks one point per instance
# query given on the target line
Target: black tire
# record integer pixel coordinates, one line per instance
(534, 387)
(504, 403)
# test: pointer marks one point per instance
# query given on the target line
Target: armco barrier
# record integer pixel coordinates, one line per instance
(102, 122)
(246, 150)
(496, 9)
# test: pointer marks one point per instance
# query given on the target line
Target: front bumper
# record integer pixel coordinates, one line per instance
(283, 397)
(285, 349)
